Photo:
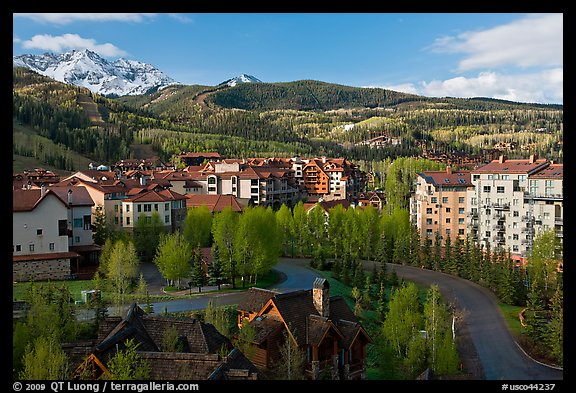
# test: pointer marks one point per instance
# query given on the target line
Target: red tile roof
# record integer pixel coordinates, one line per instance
(215, 203)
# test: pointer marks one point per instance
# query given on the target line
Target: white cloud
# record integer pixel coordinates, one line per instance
(181, 18)
(402, 87)
(541, 87)
(63, 19)
(536, 40)
(66, 42)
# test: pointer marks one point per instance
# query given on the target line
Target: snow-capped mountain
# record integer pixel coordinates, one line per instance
(241, 79)
(87, 69)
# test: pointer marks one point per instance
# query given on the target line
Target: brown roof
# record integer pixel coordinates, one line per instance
(552, 171)
(27, 200)
(444, 178)
(512, 166)
(255, 299)
(155, 196)
(44, 257)
(215, 203)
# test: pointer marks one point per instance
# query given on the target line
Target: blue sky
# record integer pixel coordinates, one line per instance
(511, 56)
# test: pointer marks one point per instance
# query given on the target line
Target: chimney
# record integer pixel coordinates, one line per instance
(449, 169)
(69, 196)
(42, 190)
(323, 159)
(533, 158)
(502, 159)
(321, 296)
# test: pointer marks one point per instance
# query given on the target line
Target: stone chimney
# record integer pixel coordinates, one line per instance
(502, 159)
(321, 296)
(69, 196)
(448, 169)
(533, 158)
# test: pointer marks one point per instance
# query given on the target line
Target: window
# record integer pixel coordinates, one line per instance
(127, 208)
(546, 216)
(428, 221)
(19, 246)
(487, 234)
(428, 210)
(62, 227)
(254, 190)
(211, 180)
(434, 200)
(116, 208)
(254, 182)
(51, 246)
(515, 202)
(448, 231)
(488, 211)
(167, 219)
(31, 247)
(448, 210)
(500, 189)
(515, 248)
(139, 208)
(448, 221)
(461, 232)
(87, 223)
(490, 177)
(521, 177)
(156, 207)
(515, 236)
(515, 213)
(460, 210)
(475, 177)
(444, 199)
(39, 232)
(167, 206)
(147, 207)
(76, 239)
(514, 225)
(486, 189)
(212, 189)
(428, 232)
(505, 177)
(77, 223)
(460, 199)
(473, 201)
(461, 221)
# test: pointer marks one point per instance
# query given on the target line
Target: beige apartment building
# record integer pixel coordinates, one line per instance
(440, 205)
(513, 201)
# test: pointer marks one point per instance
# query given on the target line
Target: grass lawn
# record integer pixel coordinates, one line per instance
(511, 316)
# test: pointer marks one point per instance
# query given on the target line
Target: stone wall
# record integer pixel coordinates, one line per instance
(52, 269)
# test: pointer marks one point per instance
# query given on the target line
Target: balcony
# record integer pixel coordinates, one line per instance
(545, 197)
(558, 221)
(499, 228)
(501, 206)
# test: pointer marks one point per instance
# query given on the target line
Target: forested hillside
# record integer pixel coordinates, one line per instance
(304, 118)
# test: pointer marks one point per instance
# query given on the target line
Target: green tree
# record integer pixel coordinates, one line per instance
(300, 227)
(198, 275)
(44, 359)
(173, 257)
(543, 263)
(292, 360)
(555, 330)
(171, 341)
(127, 364)
(224, 229)
(147, 233)
(403, 319)
(219, 317)
(122, 269)
(286, 229)
(198, 226)
(216, 269)
(245, 339)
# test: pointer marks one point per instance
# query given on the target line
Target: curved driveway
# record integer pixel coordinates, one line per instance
(499, 355)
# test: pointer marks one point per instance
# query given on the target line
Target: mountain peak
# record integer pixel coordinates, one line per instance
(243, 78)
(87, 69)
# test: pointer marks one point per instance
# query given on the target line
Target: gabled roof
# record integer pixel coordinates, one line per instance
(444, 178)
(215, 203)
(552, 171)
(27, 200)
(255, 299)
(155, 196)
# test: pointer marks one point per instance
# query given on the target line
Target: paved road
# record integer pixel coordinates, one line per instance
(500, 356)
(296, 275)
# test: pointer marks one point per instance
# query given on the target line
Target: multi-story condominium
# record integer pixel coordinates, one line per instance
(52, 232)
(513, 200)
(170, 206)
(439, 204)
(264, 185)
(335, 178)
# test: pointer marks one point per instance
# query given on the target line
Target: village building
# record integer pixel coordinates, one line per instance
(322, 326)
(51, 233)
(204, 353)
